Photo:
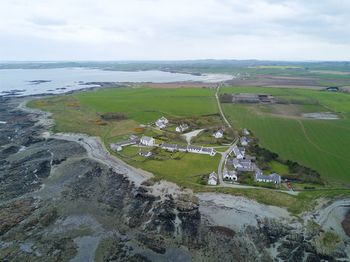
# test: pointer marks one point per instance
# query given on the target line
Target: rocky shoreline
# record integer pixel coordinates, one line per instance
(62, 198)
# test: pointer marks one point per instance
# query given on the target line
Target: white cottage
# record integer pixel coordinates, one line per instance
(182, 128)
(246, 132)
(219, 134)
(147, 141)
(213, 180)
(145, 153)
(244, 141)
(162, 122)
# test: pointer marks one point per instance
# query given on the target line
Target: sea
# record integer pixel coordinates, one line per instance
(25, 82)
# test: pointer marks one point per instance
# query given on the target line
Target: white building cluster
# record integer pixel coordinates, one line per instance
(162, 122)
(243, 163)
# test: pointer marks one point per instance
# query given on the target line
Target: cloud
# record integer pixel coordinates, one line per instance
(182, 29)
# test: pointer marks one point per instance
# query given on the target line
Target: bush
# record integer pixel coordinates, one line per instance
(114, 116)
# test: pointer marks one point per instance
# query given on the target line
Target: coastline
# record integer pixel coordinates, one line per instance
(237, 219)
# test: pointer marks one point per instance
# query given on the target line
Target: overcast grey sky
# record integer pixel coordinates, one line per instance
(174, 29)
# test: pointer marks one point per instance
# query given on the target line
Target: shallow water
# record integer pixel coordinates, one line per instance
(61, 80)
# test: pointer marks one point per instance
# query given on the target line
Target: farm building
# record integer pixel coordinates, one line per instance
(182, 128)
(162, 122)
(212, 180)
(272, 178)
(147, 141)
(253, 98)
(219, 134)
(229, 175)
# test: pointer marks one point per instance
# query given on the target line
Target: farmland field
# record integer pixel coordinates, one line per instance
(323, 145)
(147, 104)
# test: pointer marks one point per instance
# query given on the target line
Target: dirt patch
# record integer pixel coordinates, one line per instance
(321, 115)
(181, 85)
(278, 81)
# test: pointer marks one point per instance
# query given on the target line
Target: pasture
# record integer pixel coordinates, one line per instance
(323, 145)
(145, 105)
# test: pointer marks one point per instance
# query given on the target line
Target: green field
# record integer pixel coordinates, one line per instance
(147, 104)
(184, 169)
(323, 145)
(80, 113)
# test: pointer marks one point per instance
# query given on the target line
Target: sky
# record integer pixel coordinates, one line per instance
(174, 29)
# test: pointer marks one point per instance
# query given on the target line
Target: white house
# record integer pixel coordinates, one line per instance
(147, 141)
(162, 122)
(237, 152)
(194, 149)
(212, 180)
(229, 175)
(182, 128)
(219, 134)
(145, 153)
(244, 141)
(246, 132)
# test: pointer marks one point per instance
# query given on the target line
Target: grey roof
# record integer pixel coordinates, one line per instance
(182, 147)
(191, 147)
(168, 145)
(244, 139)
(213, 175)
(236, 151)
(207, 149)
(147, 138)
(235, 161)
(272, 177)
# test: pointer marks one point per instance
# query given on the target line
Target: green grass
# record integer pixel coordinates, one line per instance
(147, 104)
(323, 145)
(183, 169)
(278, 168)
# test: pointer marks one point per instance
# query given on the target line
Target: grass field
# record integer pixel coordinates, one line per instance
(323, 145)
(81, 112)
(184, 169)
(147, 104)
